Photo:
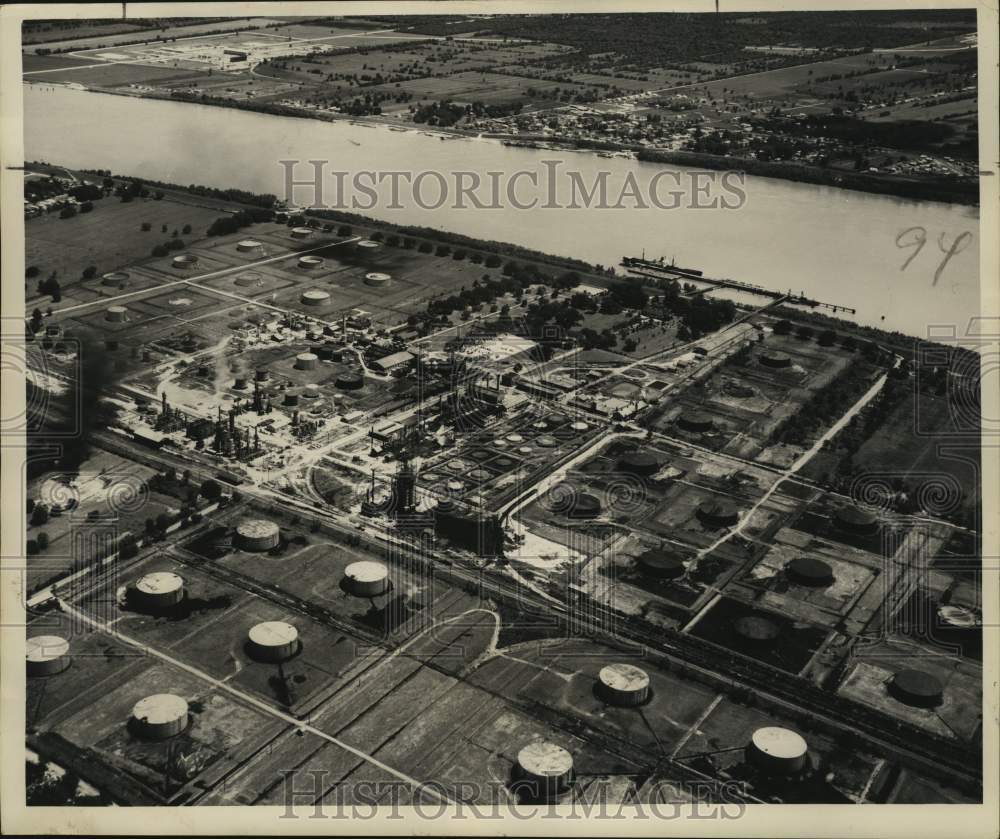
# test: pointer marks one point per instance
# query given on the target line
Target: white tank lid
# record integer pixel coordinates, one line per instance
(366, 571)
(273, 634)
(160, 708)
(43, 648)
(160, 582)
(780, 743)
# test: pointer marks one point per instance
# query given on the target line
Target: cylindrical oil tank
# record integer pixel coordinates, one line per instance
(696, 422)
(310, 262)
(306, 361)
(367, 245)
(46, 655)
(544, 770)
(291, 399)
(917, 688)
(301, 232)
(257, 535)
(661, 565)
(809, 571)
(639, 462)
(376, 279)
(547, 442)
(240, 383)
(248, 246)
(159, 590)
(777, 751)
(311, 391)
(273, 641)
(586, 506)
(315, 297)
(116, 314)
(185, 261)
(623, 684)
(579, 425)
(350, 380)
(160, 716)
(776, 360)
(366, 579)
(261, 375)
(718, 513)
(856, 520)
(113, 279)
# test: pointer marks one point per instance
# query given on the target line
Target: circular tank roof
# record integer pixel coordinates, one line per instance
(366, 571)
(255, 528)
(661, 564)
(248, 243)
(160, 709)
(273, 634)
(118, 310)
(160, 582)
(315, 294)
(917, 687)
(301, 231)
(515, 438)
(367, 243)
(311, 260)
(545, 760)
(809, 571)
(624, 677)
(377, 276)
(547, 442)
(579, 426)
(781, 743)
(307, 356)
(44, 648)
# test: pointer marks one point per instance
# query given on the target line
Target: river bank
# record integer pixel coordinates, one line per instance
(937, 189)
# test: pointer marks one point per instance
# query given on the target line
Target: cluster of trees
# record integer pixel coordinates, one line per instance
(698, 314)
(50, 285)
(442, 113)
(240, 196)
(168, 246)
(225, 225)
(641, 41)
(825, 406)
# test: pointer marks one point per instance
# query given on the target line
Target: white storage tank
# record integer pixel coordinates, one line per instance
(248, 246)
(301, 232)
(257, 535)
(777, 751)
(47, 655)
(309, 262)
(315, 297)
(623, 684)
(273, 641)
(159, 590)
(376, 279)
(306, 361)
(116, 314)
(544, 770)
(366, 579)
(160, 716)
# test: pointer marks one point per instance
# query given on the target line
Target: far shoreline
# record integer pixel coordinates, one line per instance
(907, 190)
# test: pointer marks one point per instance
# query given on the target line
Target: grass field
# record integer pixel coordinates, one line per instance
(108, 238)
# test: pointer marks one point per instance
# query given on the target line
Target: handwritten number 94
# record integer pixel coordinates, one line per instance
(916, 238)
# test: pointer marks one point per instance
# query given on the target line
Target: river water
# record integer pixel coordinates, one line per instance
(833, 245)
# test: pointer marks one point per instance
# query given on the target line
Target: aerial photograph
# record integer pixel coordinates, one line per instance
(502, 410)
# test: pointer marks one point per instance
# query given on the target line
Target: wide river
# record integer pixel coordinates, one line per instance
(834, 245)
